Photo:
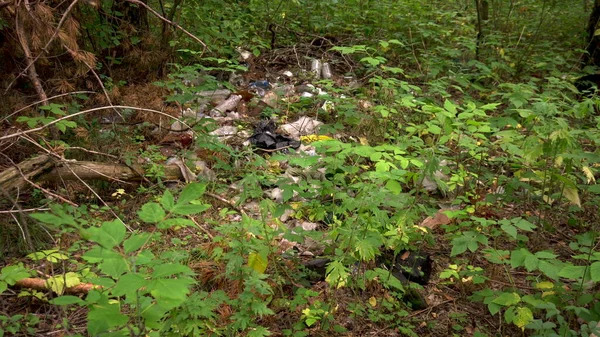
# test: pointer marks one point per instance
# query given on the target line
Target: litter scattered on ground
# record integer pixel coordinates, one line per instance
(265, 137)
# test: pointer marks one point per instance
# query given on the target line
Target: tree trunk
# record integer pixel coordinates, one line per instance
(592, 57)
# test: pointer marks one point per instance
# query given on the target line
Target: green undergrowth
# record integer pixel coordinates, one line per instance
(511, 159)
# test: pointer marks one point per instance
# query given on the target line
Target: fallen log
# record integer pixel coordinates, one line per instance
(46, 169)
(42, 284)
(16, 178)
(89, 170)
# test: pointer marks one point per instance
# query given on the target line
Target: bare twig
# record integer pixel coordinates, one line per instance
(201, 228)
(228, 202)
(92, 152)
(137, 2)
(26, 210)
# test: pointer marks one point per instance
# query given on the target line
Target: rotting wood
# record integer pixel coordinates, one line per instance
(88, 170)
(45, 169)
(13, 179)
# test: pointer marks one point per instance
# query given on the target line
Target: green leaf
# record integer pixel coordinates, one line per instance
(173, 222)
(128, 284)
(103, 317)
(337, 274)
(531, 263)
(450, 107)
(114, 267)
(523, 316)
(167, 201)
(572, 272)
(510, 230)
(12, 274)
(170, 292)
(189, 209)
(168, 269)
(595, 271)
(394, 186)
(258, 261)
(507, 299)
(135, 242)
(191, 192)
(111, 234)
(67, 300)
(59, 283)
(151, 212)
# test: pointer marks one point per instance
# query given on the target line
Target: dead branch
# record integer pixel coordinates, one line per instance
(41, 284)
(87, 170)
(5, 3)
(29, 60)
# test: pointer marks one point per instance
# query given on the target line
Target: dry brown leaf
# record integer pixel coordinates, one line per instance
(440, 218)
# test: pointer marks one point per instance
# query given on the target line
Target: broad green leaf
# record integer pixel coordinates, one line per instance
(523, 224)
(151, 212)
(191, 192)
(135, 242)
(258, 262)
(97, 254)
(129, 283)
(114, 267)
(510, 230)
(507, 299)
(523, 316)
(103, 317)
(175, 222)
(595, 271)
(337, 274)
(170, 292)
(111, 234)
(167, 201)
(51, 255)
(59, 283)
(572, 272)
(12, 274)
(531, 263)
(67, 300)
(450, 107)
(168, 269)
(394, 186)
(188, 209)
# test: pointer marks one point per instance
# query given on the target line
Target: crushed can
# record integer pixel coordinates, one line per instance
(326, 71)
(315, 68)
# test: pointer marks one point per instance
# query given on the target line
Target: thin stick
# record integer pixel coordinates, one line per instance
(25, 210)
(201, 228)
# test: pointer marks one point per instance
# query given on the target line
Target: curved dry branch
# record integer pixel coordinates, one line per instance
(21, 133)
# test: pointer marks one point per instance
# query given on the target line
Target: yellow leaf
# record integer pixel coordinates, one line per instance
(544, 285)
(597, 32)
(570, 192)
(258, 262)
(373, 301)
(588, 174)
